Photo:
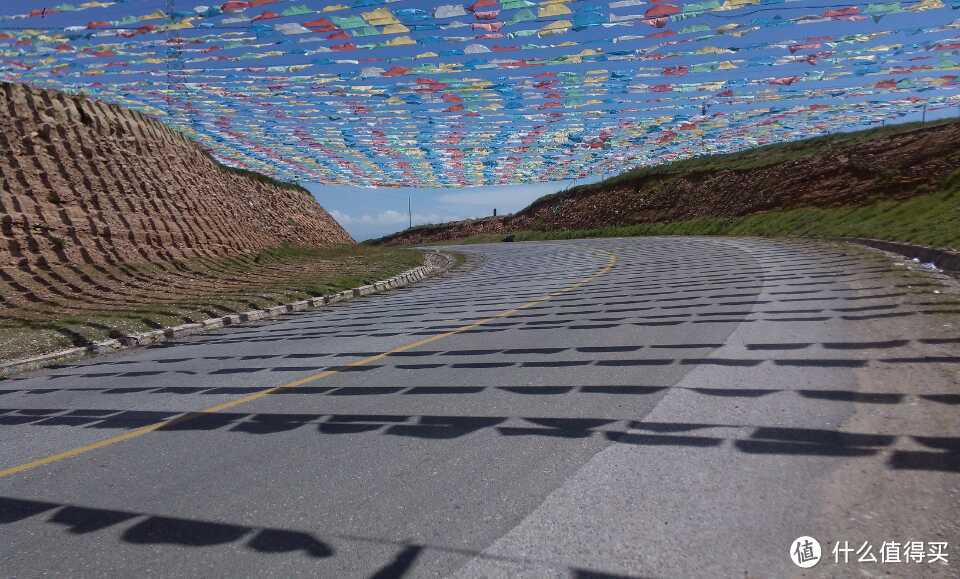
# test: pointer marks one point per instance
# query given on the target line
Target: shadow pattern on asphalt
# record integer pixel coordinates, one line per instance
(649, 294)
(149, 529)
(943, 456)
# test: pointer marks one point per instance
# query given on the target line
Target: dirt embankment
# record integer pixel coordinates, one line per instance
(86, 182)
(845, 170)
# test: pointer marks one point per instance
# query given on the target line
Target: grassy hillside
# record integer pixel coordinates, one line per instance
(932, 220)
(111, 300)
(900, 183)
(755, 158)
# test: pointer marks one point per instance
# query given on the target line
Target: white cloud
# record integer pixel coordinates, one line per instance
(341, 217)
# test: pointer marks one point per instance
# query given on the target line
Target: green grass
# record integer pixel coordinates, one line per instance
(755, 158)
(302, 272)
(932, 220)
(483, 238)
(288, 251)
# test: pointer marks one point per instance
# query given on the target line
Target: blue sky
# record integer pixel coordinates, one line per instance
(368, 212)
(326, 123)
(277, 103)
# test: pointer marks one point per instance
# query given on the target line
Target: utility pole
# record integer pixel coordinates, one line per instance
(410, 210)
(923, 120)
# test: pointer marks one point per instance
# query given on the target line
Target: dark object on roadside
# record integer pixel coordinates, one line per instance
(508, 238)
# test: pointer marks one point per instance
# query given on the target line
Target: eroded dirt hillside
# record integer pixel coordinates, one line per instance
(86, 182)
(846, 170)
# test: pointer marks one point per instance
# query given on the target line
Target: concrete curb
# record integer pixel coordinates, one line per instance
(435, 263)
(943, 259)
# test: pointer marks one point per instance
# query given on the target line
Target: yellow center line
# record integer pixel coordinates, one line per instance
(138, 432)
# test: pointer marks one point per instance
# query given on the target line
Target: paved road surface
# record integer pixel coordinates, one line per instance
(679, 407)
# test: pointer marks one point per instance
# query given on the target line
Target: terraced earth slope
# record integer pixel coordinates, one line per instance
(86, 182)
(900, 182)
(112, 223)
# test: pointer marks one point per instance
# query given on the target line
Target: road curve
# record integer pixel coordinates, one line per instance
(681, 407)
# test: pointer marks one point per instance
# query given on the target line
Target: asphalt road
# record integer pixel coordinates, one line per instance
(680, 407)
